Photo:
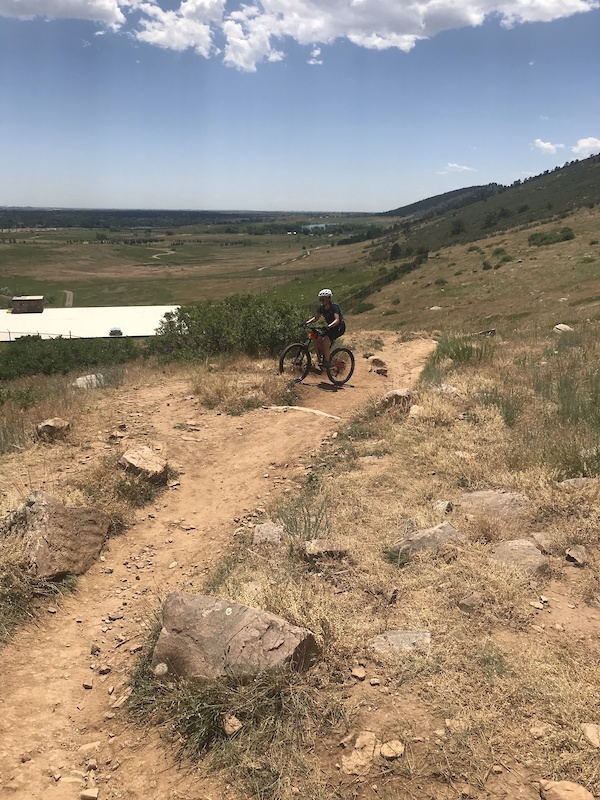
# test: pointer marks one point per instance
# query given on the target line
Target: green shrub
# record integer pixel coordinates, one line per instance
(360, 308)
(486, 265)
(509, 404)
(551, 237)
(249, 324)
(32, 355)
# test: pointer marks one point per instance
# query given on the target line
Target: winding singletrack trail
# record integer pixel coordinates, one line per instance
(50, 725)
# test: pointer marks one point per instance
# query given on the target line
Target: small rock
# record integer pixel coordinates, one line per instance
(90, 747)
(360, 673)
(359, 760)
(540, 731)
(395, 642)
(398, 398)
(564, 790)
(444, 506)
(89, 794)
(231, 724)
(471, 603)
(324, 548)
(392, 749)
(88, 685)
(577, 483)
(591, 733)
(561, 327)
(577, 555)
(95, 649)
(52, 429)
(267, 533)
(145, 462)
(374, 681)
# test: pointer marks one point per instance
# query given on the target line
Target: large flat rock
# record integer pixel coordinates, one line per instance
(493, 501)
(521, 554)
(433, 539)
(207, 637)
(60, 540)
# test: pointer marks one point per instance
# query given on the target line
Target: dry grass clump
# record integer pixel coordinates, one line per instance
(26, 402)
(19, 587)
(236, 386)
(115, 491)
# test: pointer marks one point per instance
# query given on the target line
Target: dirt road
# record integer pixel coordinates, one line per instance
(65, 677)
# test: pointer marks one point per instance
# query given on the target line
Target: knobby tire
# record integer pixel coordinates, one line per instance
(295, 362)
(340, 373)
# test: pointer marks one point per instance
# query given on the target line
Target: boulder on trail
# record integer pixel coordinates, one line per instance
(521, 554)
(433, 539)
(564, 790)
(89, 381)
(53, 428)
(492, 501)
(59, 540)
(145, 462)
(267, 533)
(397, 398)
(208, 637)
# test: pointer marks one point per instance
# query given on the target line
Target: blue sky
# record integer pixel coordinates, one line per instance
(330, 105)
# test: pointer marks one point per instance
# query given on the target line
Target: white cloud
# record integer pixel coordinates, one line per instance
(255, 30)
(314, 56)
(585, 147)
(106, 11)
(451, 167)
(547, 147)
(189, 27)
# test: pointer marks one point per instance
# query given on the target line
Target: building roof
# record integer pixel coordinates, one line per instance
(84, 323)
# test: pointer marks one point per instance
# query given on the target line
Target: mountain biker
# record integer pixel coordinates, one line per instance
(335, 325)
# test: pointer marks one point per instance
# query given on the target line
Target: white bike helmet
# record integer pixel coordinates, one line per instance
(325, 293)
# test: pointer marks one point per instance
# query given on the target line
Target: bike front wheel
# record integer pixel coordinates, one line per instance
(341, 366)
(295, 362)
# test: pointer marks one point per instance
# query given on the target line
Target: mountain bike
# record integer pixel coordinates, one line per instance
(296, 360)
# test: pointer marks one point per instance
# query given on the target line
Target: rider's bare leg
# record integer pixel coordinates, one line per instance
(326, 347)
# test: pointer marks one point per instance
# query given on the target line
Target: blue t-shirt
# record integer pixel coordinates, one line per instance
(330, 313)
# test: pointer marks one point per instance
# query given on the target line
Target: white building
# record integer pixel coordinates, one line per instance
(83, 323)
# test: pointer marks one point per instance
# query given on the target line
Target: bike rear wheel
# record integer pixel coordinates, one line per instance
(341, 366)
(295, 362)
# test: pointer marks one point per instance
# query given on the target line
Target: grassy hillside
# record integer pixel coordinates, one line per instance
(502, 281)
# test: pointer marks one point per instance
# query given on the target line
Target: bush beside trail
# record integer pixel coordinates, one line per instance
(32, 355)
(247, 324)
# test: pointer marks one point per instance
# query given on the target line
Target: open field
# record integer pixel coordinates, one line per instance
(189, 265)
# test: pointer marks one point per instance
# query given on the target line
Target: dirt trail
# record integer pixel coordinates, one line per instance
(50, 725)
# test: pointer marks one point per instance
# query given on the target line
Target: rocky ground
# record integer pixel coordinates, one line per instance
(64, 729)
